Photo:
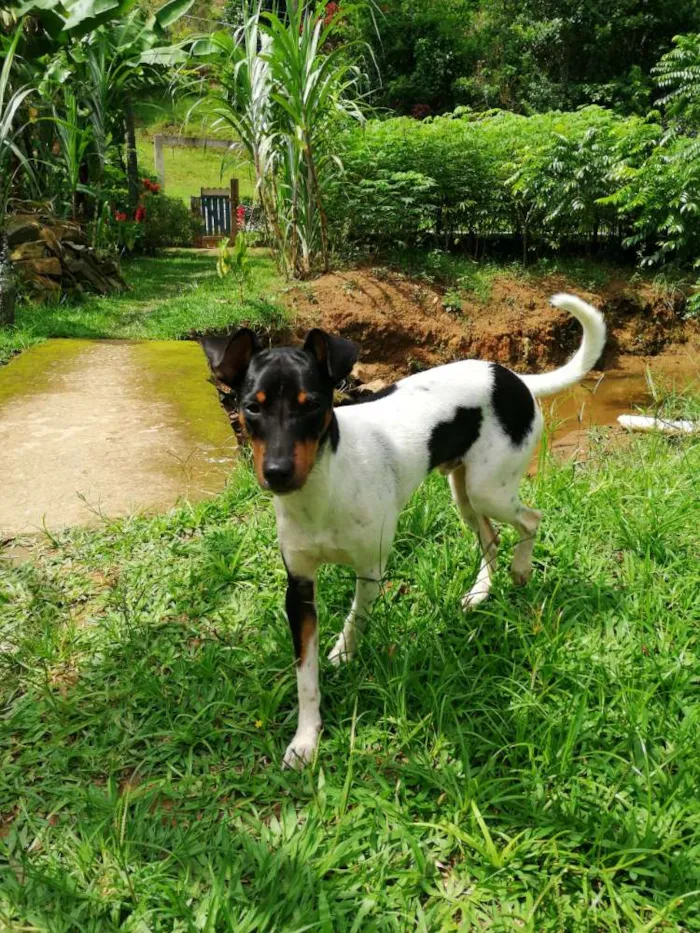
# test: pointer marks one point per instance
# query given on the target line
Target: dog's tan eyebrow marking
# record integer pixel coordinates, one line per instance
(260, 396)
(302, 397)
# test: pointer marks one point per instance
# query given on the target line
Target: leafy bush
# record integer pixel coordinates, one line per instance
(678, 76)
(544, 180)
(167, 222)
(389, 208)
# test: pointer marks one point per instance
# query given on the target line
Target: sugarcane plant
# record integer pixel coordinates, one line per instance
(283, 86)
(12, 159)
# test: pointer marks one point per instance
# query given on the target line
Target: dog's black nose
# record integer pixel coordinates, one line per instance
(278, 473)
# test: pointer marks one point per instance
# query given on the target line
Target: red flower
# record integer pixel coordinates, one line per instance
(240, 216)
(140, 214)
(331, 12)
(119, 215)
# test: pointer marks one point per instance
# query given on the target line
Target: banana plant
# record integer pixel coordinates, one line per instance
(12, 160)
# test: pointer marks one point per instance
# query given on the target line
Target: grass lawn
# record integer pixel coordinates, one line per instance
(531, 766)
(188, 170)
(170, 296)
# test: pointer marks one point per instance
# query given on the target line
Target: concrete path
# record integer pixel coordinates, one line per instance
(90, 428)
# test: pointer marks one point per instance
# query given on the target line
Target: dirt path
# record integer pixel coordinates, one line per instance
(88, 428)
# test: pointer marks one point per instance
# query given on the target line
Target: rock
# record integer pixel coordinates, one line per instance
(67, 230)
(41, 286)
(22, 229)
(51, 240)
(83, 272)
(370, 388)
(45, 249)
(32, 249)
(50, 265)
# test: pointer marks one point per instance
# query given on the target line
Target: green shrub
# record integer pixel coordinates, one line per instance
(544, 179)
(167, 222)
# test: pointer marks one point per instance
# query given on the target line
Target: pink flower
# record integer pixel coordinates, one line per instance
(140, 214)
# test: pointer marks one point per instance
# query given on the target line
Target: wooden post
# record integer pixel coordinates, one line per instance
(234, 215)
(196, 208)
(159, 160)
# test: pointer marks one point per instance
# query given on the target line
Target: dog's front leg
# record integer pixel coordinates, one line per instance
(366, 591)
(301, 612)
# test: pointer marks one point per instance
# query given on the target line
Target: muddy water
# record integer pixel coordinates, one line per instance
(598, 401)
(90, 428)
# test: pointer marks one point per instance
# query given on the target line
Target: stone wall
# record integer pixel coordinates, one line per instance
(53, 258)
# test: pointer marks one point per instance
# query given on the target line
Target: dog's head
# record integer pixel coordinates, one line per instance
(284, 397)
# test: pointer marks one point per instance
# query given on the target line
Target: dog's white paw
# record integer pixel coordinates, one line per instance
(473, 598)
(341, 652)
(301, 749)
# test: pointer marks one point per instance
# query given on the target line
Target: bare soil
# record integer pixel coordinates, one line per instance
(403, 326)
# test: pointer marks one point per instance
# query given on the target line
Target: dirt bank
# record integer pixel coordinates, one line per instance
(403, 326)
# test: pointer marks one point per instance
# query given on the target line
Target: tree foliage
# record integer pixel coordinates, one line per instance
(533, 55)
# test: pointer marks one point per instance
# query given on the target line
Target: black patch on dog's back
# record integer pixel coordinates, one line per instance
(369, 396)
(452, 439)
(512, 402)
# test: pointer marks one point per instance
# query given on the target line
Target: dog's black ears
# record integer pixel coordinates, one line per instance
(229, 356)
(335, 356)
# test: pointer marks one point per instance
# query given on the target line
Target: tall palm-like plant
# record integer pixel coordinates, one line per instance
(245, 104)
(283, 90)
(11, 159)
(312, 89)
(75, 139)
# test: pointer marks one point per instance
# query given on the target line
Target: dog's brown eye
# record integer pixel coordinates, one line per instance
(252, 409)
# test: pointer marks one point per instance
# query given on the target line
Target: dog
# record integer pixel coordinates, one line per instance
(341, 476)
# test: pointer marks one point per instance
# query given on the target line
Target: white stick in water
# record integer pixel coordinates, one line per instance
(644, 423)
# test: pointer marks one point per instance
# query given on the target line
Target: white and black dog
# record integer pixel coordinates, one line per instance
(340, 477)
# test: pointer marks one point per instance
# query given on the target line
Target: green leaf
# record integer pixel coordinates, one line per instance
(171, 12)
(92, 10)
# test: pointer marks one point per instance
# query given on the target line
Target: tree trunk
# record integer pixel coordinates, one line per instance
(7, 284)
(132, 165)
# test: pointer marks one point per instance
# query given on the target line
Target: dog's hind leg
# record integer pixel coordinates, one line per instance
(366, 591)
(526, 523)
(500, 501)
(485, 532)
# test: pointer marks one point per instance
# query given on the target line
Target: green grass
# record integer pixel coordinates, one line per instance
(531, 766)
(188, 170)
(170, 296)
(476, 278)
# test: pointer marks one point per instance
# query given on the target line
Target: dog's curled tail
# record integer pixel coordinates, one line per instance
(585, 357)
